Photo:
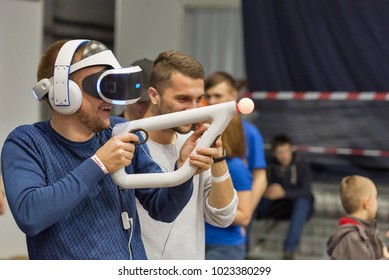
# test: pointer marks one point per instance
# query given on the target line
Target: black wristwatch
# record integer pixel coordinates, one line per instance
(223, 157)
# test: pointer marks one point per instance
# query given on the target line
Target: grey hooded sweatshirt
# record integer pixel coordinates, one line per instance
(355, 239)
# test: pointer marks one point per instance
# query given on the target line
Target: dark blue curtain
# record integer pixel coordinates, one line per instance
(326, 45)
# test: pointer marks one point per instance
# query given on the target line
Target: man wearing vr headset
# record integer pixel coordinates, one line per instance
(56, 172)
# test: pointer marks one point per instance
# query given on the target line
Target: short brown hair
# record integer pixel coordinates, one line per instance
(352, 190)
(280, 140)
(219, 77)
(170, 62)
(47, 62)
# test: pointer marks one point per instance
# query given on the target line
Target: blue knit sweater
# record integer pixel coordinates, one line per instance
(67, 207)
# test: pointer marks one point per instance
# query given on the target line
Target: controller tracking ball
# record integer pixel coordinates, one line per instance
(246, 106)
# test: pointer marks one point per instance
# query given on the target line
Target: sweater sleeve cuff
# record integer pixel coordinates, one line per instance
(89, 172)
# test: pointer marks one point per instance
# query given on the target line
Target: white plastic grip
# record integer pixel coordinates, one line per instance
(220, 115)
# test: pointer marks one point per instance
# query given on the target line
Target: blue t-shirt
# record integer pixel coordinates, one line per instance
(255, 153)
(232, 235)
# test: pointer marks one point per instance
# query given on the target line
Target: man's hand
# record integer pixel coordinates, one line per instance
(274, 191)
(118, 151)
(202, 158)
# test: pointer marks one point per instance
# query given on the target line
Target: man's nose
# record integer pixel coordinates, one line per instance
(211, 100)
(194, 104)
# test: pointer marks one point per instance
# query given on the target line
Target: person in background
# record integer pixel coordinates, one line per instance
(289, 192)
(138, 109)
(357, 236)
(229, 243)
(221, 87)
(57, 172)
(177, 84)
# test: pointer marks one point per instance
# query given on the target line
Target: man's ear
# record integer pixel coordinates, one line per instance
(154, 96)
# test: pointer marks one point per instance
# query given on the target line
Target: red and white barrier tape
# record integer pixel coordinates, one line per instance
(337, 151)
(325, 95)
(319, 95)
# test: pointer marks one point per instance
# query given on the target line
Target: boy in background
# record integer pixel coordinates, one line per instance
(357, 236)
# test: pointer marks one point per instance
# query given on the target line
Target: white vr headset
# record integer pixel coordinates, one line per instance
(114, 85)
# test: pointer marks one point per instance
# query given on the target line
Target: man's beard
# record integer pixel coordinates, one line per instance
(91, 122)
(179, 129)
(182, 130)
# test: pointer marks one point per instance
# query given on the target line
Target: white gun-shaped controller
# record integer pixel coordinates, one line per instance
(220, 115)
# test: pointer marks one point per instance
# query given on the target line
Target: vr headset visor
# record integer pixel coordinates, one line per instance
(117, 86)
